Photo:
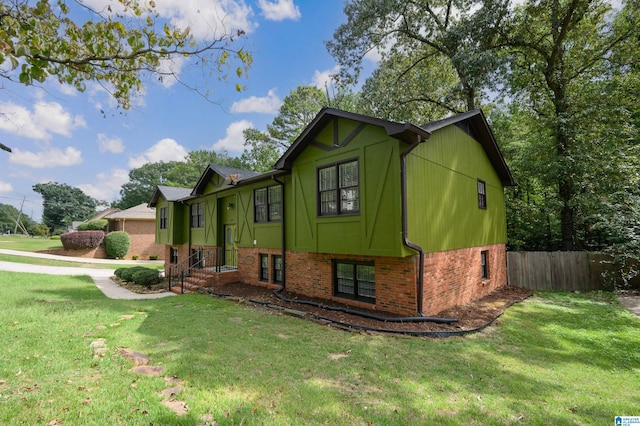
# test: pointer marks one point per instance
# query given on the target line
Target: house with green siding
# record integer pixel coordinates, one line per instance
(379, 215)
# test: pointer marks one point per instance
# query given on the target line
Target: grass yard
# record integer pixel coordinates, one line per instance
(22, 243)
(555, 359)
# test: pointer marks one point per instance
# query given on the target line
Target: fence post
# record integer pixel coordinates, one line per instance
(170, 274)
(182, 282)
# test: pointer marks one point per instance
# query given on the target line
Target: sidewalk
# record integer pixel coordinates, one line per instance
(102, 277)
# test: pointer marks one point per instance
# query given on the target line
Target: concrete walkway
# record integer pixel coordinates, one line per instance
(632, 303)
(102, 277)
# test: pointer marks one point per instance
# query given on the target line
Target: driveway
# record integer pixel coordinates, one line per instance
(102, 277)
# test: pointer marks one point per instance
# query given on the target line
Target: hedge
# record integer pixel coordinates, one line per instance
(82, 240)
(117, 244)
(94, 225)
(139, 275)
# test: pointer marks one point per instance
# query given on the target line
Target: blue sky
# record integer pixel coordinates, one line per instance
(58, 134)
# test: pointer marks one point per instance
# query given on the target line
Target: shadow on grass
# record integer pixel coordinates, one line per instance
(243, 365)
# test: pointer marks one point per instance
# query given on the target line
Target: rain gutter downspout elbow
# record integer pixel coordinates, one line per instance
(405, 222)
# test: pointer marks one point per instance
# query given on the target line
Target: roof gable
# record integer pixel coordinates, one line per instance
(229, 175)
(475, 125)
(169, 193)
(141, 211)
(403, 131)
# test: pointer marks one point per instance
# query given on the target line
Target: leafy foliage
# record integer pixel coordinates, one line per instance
(94, 225)
(8, 217)
(142, 182)
(81, 240)
(63, 204)
(117, 244)
(115, 46)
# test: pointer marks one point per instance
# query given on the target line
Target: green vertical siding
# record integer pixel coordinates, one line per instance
(376, 230)
(442, 194)
(174, 233)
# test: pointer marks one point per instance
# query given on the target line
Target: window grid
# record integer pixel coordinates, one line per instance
(339, 189)
(355, 280)
(482, 194)
(163, 218)
(277, 269)
(268, 204)
(197, 215)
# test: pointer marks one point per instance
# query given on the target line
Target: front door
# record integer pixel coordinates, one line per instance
(230, 249)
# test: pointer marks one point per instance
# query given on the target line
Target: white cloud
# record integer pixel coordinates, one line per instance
(45, 119)
(68, 89)
(279, 10)
(265, 105)
(52, 157)
(164, 150)
(322, 79)
(107, 144)
(234, 139)
(5, 187)
(107, 186)
(170, 68)
(206, 19)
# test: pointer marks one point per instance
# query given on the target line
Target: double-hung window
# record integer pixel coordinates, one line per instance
(355, 280)
(163, 218)
(277, 269)
(339, 189)
(264, 267)
(268, 204)
(482, 194)
(197, 215)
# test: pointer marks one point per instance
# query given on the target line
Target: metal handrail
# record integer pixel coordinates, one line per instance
(217, 260)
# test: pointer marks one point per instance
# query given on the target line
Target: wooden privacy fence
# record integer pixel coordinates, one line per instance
(558, 270)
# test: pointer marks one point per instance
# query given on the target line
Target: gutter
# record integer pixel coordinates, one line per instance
(283, 234)
(405, 221)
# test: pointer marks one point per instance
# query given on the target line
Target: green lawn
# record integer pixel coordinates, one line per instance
(22, 243)
(555, 359)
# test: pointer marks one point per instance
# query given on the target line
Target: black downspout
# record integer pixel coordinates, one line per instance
(283, 232)
(405, 221)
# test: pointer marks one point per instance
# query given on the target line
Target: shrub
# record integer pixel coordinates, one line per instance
(139, 275)
(117, 244)
(146, 277)
(82, 240)
(153, 257)
(126, 274)
(94, 225)
(135, 257)
(54, 237)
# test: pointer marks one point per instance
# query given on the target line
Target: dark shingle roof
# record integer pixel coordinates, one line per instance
(169, 193)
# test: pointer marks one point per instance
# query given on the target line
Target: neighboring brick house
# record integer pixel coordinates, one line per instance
(140, 223)
(372, 213)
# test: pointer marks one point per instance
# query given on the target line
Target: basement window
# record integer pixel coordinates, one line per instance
(484, 264)
(264, 267)
(355, 280)
(277, 269)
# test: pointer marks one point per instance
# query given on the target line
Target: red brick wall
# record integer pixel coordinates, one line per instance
(451, 278)
(455, 277)
(143, 238)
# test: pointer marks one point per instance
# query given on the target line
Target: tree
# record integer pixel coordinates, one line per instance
(8, 217)
(115, 46)
(142, 182)
(260, 151)
(412, 37)
(187, 173)
(560, 53)
(63, 204)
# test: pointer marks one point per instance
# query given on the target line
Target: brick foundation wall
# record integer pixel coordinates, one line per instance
(450, 278)
(143, 236)
(455, 277)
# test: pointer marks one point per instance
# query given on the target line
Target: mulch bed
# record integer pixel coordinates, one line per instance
(471, 317)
